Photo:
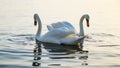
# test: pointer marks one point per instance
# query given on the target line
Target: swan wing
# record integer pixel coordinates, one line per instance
(50, 28)
(69, 26)
(61, 25)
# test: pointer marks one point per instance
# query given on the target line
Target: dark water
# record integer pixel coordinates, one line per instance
(19, 50)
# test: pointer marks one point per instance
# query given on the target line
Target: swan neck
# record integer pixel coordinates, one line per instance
(81, 26)
(39, 25)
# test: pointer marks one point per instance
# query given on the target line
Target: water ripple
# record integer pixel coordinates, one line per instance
(108, 45)
(59, 58)
(14, 66)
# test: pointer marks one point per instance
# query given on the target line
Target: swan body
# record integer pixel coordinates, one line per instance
(61, 32)
(64, 38)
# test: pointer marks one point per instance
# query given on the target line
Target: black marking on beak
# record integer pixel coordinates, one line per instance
(87, 22)
(35, 22)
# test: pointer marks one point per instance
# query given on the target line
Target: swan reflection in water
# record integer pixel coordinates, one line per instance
(56, 54)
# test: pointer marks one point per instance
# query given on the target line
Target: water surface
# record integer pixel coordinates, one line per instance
(17, 32)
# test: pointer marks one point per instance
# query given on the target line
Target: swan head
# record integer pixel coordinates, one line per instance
(86, 16)
(35, 19)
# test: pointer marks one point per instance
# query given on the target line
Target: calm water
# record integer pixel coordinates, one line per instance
(17, 32)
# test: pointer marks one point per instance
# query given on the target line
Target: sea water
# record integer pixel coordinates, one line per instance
(17, 33)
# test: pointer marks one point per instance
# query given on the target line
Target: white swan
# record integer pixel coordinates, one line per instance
(67, 25)
(61, 32)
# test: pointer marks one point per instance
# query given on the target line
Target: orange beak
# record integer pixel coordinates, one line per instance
(87, 22)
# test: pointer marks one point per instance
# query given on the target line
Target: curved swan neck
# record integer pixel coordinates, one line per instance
(81, 26)
(37, 19)
(86, 16)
